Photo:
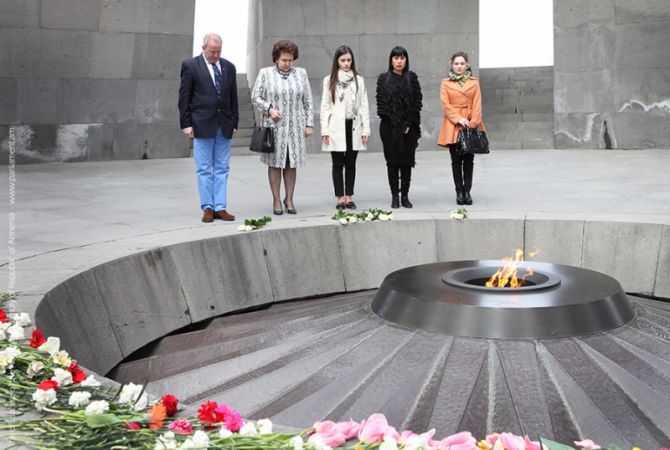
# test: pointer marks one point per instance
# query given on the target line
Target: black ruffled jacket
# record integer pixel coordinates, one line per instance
(399, 102)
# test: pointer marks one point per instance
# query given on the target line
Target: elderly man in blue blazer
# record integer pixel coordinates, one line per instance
(208, 114)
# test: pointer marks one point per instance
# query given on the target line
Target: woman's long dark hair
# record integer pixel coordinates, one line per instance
(399, 51)
(339, 51)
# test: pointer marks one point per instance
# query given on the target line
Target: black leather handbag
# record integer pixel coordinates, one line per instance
(263, 140)
(472, 140)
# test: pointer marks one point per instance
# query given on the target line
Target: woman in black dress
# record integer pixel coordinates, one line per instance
(399, 107)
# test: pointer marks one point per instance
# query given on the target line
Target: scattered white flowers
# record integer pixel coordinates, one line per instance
(132, 393)
(34, 368)
(97, 407)
(51, 346)
(62, 376)
(43, 398)
(248, 429)
(246, 228)
(345, 218)
(458, 214)
(62, 358)
(90, 381)
(79, 399)
(166, 441)
(264, 426)
(199, 440)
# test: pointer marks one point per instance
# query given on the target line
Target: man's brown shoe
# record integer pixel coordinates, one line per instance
(224, 215)
(208, 215)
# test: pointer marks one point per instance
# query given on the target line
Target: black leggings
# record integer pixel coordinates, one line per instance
(461, 168)
(345, 162)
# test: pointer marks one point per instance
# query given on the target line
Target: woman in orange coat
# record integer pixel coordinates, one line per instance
(462, 105)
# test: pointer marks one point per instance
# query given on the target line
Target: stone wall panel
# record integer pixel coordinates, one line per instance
(70, 14)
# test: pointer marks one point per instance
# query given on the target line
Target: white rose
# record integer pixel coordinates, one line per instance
(225, 432)
(97, 407)
(43, 398)
(51, 346)
(90, 381)
(35, 368)
(353, 219)
(390, 216)
(79, 399)
(62, 358)
(248, 227)
(16, 333)
(297, 442)
(264, 426)
(344, 221)
(22, 319)
(383, 217)
(242, 228)
(369, 217)
(248, 429)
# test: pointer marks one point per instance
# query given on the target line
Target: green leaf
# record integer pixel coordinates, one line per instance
(101, 420)
(552, 445)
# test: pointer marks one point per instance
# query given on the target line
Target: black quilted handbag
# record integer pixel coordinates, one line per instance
(263, 140)
(472, 140)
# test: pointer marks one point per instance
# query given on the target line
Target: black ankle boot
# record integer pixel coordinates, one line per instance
(395, 201)
(467, 199)
(404, 201)
(460, 199)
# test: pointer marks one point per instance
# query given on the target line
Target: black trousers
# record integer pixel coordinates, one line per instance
(344, 165)
(461, 168)
(402, 174)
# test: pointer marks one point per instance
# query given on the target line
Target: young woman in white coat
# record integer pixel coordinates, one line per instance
(345, 122)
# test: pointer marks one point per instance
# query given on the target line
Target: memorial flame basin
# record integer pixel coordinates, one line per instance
(450, 298)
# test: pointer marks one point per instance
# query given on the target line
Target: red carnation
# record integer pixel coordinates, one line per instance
(207, 413)
(170, 402)
(37, 339)
(48, 384)
(78, 375)
(3, 316)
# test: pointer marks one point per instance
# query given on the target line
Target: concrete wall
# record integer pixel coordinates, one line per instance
(518, 107)
(430, 30)
(126, 303)
(92, 80)
(612, 74)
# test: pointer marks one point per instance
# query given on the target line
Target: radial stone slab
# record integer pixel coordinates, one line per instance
(333, 358)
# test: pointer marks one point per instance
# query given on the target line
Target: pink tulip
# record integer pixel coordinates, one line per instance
(531, 445)
(412, 440)
(373, 429)
(492, 438)
(330, 439)
(350, 428)
(587, 444)
(392, 432)
(458, 441)
(512, 441)
(323, 427)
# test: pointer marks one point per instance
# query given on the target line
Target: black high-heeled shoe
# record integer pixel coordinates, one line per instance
(290, 210)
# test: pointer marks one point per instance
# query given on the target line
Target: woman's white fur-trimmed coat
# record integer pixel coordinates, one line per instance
(332, 119)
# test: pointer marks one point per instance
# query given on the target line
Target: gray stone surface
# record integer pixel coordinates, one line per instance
(222, 275)
(558, 241)
(68, 67)
(625, 251)
(662, 286)
(371, 251)
(70, 14)
(303, 262)
(478, 239)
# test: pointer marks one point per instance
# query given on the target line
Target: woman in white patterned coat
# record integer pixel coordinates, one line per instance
(284, 97)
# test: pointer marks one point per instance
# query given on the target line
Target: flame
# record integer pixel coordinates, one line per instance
(507, 275)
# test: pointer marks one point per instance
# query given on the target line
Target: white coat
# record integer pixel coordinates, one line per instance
(332, 119)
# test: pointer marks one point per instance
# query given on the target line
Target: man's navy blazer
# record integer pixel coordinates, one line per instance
(200, 107)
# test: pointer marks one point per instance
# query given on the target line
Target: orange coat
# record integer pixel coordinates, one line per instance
(457, 103)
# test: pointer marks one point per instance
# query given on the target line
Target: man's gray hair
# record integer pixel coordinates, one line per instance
(209, 36)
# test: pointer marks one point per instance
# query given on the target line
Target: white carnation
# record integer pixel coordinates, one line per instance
(62, 376)
(241, 228)
(166, 442)
(248, 429)
(22, 319)
(79, 399)
(90, 381)
(389, 444)
(34, 368)
(43, 398)
(297, 442)
(130, 393)
(16, 333)
(97, 407)
(344, 221)
(264, 426)
(199, 440)
(225, 432)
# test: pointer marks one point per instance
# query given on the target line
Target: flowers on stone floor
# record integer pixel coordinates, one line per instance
(77, 412)
(254, 224)
(459, 213)
(369, 215)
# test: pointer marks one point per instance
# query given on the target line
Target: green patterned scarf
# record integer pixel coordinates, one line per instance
(462, 78)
